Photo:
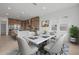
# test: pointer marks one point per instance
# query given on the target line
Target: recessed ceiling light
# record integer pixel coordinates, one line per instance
(65, 16)
(7, 14)
(22, 12)
(34, 4)
(9, 8)
(43, 8)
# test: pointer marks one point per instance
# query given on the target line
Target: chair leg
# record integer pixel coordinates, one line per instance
(19, 53)
(48, 53)
(61, 52)
(37, 53)
(53, 53)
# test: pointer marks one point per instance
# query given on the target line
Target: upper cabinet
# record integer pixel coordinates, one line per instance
(13, 21)
(35, 23)
(18, 22)
(23, 25)
(14, 24)
(29, 24)
(32, 23)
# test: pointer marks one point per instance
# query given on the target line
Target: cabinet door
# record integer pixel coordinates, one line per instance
(27, 24)
(18, 22)
(3, 28)
(14, 21)
(11, 21)
(35, 22)
(23, 25)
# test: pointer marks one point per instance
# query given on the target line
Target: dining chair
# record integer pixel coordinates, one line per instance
(52, 40)
(55, 48)
(24, 48)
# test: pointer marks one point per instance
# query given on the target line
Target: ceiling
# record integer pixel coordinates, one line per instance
(27, 10)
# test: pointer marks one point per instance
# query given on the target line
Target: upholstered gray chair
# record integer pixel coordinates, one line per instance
(55, 48)
(52, 40)
(24, 48)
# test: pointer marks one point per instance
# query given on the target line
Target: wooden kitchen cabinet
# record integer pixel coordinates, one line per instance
(35, 22)
(12, 21)
(23, 25)
(32, 23)
(18, 22)
(29, 24)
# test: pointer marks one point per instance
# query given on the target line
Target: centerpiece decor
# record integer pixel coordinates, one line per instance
(45, 25)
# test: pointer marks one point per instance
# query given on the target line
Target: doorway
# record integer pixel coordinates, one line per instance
(3, 28)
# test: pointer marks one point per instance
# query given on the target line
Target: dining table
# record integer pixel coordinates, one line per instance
(38, 39)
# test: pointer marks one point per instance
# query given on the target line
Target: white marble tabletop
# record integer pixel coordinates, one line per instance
(39, 39)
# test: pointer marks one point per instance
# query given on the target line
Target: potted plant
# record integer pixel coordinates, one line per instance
(74, 34)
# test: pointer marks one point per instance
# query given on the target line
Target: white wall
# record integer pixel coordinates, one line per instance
(58, 17)
(72, 13)
(6, 20)
(0, 28)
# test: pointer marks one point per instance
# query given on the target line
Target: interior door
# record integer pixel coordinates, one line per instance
(3, 29)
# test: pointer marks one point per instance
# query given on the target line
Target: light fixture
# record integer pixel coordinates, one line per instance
(43, 8)
(34, 4)
(65, 16)
(9, 8)
(22, 12)
(7, 14)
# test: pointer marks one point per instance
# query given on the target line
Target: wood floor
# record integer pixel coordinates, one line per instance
(7, 44)
(73, 49)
